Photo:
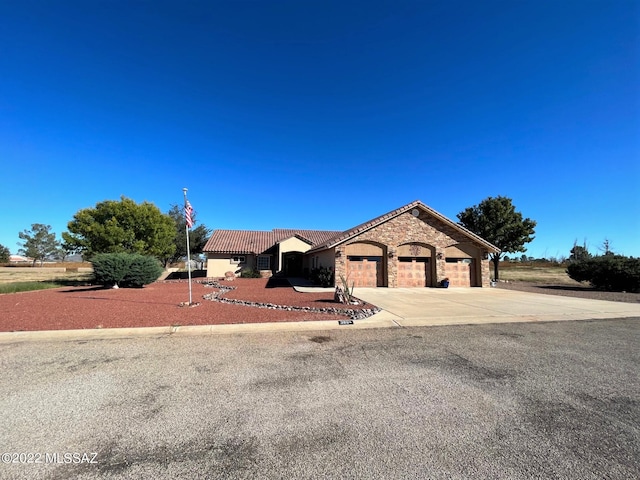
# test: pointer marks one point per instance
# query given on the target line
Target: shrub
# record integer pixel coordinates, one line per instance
(608, 272)
(322, 276)
(249, 273)
(125, 269)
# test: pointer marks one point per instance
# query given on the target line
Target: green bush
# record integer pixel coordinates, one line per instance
(125, 269)
(322, 276)
(249, 273)
(615, 273)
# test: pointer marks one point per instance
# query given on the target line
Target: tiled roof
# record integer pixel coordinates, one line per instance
(253, 241)
(257, 241)
(347, 234)
(313, 237)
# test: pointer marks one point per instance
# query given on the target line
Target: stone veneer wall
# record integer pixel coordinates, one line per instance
(406, 228)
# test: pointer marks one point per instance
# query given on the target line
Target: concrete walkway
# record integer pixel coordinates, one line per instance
(402, 307)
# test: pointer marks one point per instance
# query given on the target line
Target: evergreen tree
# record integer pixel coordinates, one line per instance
(496, 220)
(39, 242)
(121, 227)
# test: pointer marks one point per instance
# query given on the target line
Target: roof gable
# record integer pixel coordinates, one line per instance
(363, 227)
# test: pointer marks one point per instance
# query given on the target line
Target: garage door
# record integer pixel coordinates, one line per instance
(460, 272)
(365, 271)
(414, 272)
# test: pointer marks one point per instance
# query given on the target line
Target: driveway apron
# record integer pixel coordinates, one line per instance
(440, 306)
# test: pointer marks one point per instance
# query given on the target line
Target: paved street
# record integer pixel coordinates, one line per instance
(526, 400)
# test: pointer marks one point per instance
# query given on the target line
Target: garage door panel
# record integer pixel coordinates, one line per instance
(415, 273)
(365, 273)
(460, 273)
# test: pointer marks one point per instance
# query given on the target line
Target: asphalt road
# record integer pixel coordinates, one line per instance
(532, 400)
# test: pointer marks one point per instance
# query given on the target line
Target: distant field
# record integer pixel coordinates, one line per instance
(62, 272)
(548, 274)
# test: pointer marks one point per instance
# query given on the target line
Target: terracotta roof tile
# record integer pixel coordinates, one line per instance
(258, 241)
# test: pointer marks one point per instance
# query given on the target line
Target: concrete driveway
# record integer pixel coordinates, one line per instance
(439, 306)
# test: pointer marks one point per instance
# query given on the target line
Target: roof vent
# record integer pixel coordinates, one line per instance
(415, 212)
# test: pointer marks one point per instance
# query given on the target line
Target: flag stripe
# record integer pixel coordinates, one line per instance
(188, 210)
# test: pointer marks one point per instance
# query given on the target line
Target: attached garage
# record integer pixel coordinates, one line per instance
(366, 264)
(415, 265)
(460, 266)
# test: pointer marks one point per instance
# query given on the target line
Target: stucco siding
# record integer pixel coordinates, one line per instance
(220, 263)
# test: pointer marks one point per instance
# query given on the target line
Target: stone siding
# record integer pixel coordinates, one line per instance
(406, 228)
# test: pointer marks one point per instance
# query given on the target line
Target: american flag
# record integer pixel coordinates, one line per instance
(188, 211)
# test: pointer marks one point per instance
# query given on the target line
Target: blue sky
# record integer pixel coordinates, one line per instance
(322, 114)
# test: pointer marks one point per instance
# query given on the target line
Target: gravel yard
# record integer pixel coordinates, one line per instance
(156, 305)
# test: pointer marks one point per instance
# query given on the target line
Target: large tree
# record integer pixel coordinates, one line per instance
(197, 236)
(39, 242)
(5, 254)
(496, 220)
(121, 226)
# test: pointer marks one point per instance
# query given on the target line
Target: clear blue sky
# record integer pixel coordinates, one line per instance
(322, 114)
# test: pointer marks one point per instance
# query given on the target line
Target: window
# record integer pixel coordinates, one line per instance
(238, 259)
(411, 259)
(264, 262)
(360, 258)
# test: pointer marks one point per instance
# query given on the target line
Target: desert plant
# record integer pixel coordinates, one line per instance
(125, 269)
(348, 294)
(322, 276)
(608, 272)
(249, 273)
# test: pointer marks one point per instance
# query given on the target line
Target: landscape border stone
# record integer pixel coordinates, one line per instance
(353, 314)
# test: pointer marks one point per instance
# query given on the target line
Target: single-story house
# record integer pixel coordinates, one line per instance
(412, 246)
(20, 259)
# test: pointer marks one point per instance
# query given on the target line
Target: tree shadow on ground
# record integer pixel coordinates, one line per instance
(569, 288)
(185, 275)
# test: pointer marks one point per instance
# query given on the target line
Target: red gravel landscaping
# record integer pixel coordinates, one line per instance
(155, 305)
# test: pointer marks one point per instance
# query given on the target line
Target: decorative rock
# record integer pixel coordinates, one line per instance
(217, 296)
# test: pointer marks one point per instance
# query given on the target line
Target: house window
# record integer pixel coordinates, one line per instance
(264, 262)
(238, 259)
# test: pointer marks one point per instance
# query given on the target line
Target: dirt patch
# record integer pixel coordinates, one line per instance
(155, 305)
(574, 290)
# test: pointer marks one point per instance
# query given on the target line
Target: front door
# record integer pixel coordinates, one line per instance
(292, 264)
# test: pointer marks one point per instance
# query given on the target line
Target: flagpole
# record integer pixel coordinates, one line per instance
(186, 226)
